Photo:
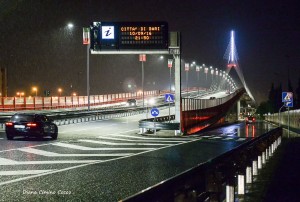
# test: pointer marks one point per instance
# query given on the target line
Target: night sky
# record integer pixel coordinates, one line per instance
(38, 50)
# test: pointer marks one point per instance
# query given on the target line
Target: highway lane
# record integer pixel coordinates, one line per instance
(105, 160)
(77, 145)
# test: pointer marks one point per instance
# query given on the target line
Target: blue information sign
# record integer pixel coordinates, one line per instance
(169, 97)
(154, 112)
(287, 98)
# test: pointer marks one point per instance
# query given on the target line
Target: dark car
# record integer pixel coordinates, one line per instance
(131, 102)
(249, 119)
(30, 125)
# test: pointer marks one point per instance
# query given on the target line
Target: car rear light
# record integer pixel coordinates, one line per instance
(9, 124)
(31, 124)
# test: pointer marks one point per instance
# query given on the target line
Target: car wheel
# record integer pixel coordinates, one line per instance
(9, 136)
(54, 135)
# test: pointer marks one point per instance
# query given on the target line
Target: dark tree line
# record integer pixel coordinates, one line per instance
(274, 102)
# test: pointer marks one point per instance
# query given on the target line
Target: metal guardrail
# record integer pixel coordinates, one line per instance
(205, 181)
(160, 123)
(84, 116)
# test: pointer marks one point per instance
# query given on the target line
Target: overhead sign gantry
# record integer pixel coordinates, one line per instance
(135, 38)
(129, 38)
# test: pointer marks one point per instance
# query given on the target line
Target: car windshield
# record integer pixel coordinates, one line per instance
(22, 118)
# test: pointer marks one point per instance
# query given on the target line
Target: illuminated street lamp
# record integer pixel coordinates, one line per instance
(70, 25)
(59, 91)
(20, 94)
(35, 90)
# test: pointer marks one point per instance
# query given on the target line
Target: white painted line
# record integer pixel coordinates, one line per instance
(229, 138)
(148, 138)
(87, 129)
(241, 139)
(123, 144)
(6, 161)
(47, 162)
(127, 140)
(23, 172)
(72, 146)
(53, 154)
(74, 167)
(38, 145)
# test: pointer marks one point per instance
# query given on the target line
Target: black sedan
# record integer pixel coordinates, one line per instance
(30, 125)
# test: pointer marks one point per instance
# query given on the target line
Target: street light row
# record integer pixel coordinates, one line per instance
(35, 90)
(213, 71)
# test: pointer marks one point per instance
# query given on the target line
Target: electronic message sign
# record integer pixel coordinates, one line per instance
(120, 36)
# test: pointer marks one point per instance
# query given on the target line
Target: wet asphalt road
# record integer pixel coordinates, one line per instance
(92, 162)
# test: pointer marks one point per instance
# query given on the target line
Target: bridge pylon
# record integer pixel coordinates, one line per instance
(232, 62)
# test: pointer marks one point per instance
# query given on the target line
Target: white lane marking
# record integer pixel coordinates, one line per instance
(53, 154)
(229, 138)
(127, 140)
(123, 144)
(215, 137)
(72, 146)
(8, 163)
(38, 145)
(241, 139)
(77, 166)
(148, 138)
(88, 128)
(23, 172)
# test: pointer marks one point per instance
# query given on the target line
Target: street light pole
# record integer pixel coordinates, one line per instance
(87, 42)
(88, 73)
(187, 68)
(142, 59)
(198, 70)
(170, 63)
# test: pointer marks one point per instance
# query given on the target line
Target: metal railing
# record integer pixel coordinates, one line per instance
(205, 181)
(159, 123)
(54, 102)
